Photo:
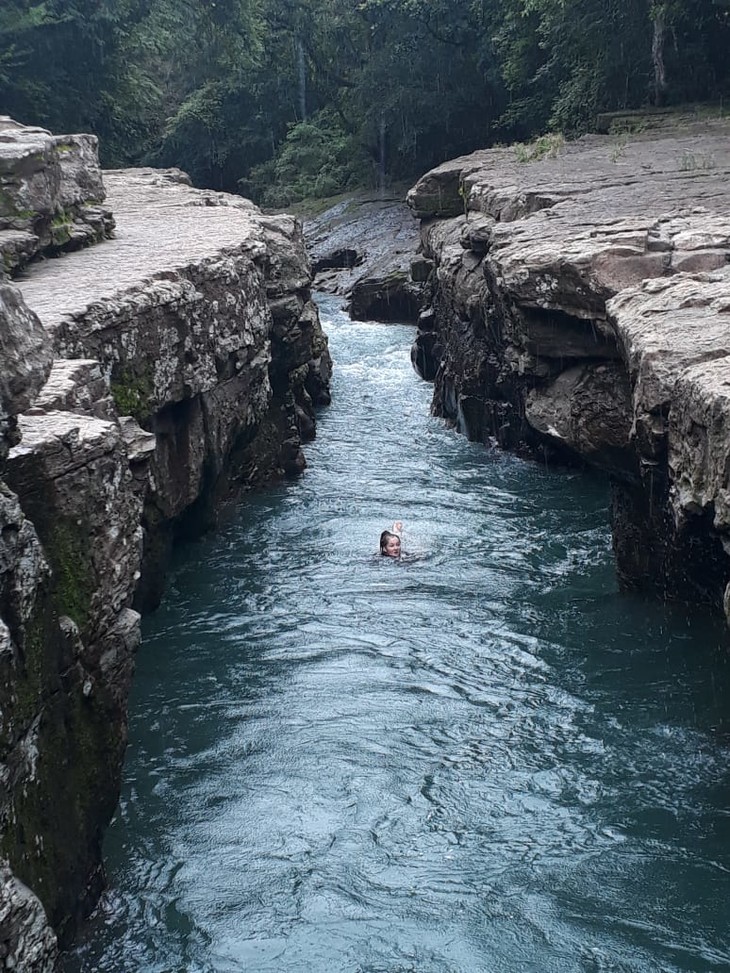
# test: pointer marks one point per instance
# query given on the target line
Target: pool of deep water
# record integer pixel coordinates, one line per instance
(482, 759)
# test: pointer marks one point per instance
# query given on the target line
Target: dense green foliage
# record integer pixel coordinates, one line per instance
(288, 98)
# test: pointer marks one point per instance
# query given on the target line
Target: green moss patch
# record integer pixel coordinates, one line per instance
(70, 556)
(132, 394)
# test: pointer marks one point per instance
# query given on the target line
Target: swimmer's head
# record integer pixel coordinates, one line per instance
(389, 544)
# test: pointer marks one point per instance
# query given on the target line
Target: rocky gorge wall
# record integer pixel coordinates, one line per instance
(580, 310)
(145, 378)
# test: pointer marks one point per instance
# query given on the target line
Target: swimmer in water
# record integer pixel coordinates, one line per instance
(390, 541)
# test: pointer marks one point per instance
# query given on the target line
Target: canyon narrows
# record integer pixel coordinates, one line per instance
(145, 378)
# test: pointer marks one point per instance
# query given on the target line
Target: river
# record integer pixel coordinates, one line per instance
(481, 759)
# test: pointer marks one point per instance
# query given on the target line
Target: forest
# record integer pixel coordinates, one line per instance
(288, 99)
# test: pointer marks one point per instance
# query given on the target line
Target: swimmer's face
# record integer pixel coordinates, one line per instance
(392, 547)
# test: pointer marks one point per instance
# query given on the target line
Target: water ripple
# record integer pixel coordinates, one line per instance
(483, 758)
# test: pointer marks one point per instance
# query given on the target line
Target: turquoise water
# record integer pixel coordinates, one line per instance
(483, 759)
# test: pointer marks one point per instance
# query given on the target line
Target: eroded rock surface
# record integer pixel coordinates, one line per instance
(364, 248)
(51, 194)
(580, 310)
(143, 379)
(27, 943)
(199, 315)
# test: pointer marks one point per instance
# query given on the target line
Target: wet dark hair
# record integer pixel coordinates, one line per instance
(384, 538)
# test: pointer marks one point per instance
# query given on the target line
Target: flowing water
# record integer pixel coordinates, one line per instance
(481, 758)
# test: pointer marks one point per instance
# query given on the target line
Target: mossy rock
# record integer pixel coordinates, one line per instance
(132, 393)
(60, 235)
(69, 552)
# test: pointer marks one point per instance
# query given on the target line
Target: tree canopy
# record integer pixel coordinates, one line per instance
(287, 98)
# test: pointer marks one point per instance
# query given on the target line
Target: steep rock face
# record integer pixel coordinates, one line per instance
(680, 375)
(26, 939)
(580, 311)
(146, 377)
(67, 683)
(200, 317)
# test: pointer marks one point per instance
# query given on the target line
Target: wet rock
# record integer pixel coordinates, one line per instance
(343, 258)
(392, 297)
(587, 409)
(364, 248)
(426, 353)
(421, 269)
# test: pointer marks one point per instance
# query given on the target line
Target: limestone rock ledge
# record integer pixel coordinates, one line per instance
(144, 380)
(200, 318)
(580, 308)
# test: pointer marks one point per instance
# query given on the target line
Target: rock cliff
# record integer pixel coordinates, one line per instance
(144, 379)
(580, 302)
(26, 939)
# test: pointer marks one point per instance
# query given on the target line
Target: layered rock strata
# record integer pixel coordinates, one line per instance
(364, 249)
(580, 311)
(200, 318)
(152, 375)
(51, 194)
(26, 939)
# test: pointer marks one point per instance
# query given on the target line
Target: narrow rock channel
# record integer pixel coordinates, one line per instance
(485, 758)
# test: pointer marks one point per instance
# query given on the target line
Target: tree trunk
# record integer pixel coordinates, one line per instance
(659, 18)
(302, 64)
